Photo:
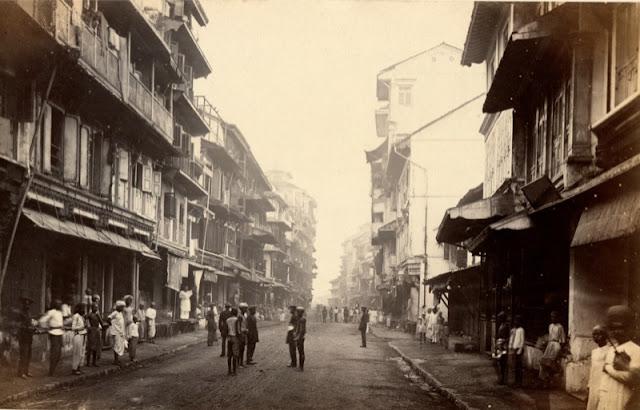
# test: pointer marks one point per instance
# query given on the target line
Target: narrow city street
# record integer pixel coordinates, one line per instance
(338, 374)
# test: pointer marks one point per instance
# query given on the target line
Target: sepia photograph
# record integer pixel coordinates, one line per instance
(319, 204)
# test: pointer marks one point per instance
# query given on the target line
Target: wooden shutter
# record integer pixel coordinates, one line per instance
(157, 184)
(46, 138)
(70, 151)
(147, 175)
(84, 157)
(123, 165)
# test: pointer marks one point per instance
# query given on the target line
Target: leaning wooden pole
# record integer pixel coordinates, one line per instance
(30, 174)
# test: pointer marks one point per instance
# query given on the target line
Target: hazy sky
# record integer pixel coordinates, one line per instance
(298, 77)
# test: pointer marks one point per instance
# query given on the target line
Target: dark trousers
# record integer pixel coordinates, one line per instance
(324, 319)
(300, 345)
(224, 345)
(92, 357)
(133, 345)
(251, 348)
(232, 358)
(212, 336)
(364, 337)
(503, 367)
(518, 368)
(25, 355)
(55, 351)
(242, 342)
(292, 353)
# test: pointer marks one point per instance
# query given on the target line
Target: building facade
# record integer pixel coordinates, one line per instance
(429, 121)
(562, 158)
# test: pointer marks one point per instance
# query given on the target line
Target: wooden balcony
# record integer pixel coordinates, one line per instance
(100, 60)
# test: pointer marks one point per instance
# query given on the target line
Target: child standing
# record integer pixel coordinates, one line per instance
(134, 335)
(422, 329)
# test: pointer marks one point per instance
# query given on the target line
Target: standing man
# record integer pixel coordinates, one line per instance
(150, 315)
(142, 323)
(242, 335)
(118, 331)
(212, 326)
(232, 333)
(127, 314)
(324, 314)
(516, 347)
(222, 325)
(26, 329)
(501, 354)
(364, 321)
(291, 329)
(54, 320)
(299, 335)
(252, 335)
(621, 379)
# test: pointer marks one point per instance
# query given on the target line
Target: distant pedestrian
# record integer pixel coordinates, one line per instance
(324, 314)
(335, 314)
(291, 330)
(94, 336)
(501, 354)
(620, 383)
(212, 325)
(150, 316)
(598, 356)
(118, 332)
(127, 313)
(346, 314)
(364, 322)
(53, 320)
(134, 336)
(222, 326)
(550, 361)
(516, 347)
(429, 324)
(25, 330)
(142, 323)
(79, 329)
(437, 326)
(242, 335)
(422, 329)
(252, 335)
(300, 334)
(232, 331)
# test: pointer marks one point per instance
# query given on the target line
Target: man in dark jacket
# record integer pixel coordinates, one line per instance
(25, 331)
(300, 333)
(364, 320)
(290, 337)
(252, 334)
(222, 325)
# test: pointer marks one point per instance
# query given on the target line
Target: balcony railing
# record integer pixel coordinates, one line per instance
(139, 96)
(99, 56)
(187, 165)
(162, 118)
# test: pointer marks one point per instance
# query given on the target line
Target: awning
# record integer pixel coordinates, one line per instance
(193, 121)
(526, 53)
(516, 222)
(377, 153)
(273, 248)
(614, 218)
(444, 279)
(463, 222)
(259, 202)
(69, 228)
(233, 264)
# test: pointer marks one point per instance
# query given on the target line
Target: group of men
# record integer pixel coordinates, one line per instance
(84, 329)
(239, 331)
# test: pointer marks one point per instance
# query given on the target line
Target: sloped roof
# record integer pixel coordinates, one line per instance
(392, 66)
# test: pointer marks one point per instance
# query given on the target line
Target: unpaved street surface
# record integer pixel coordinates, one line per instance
(338, 374)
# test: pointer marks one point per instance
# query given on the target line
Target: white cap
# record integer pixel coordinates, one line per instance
(120, 303)
(243, 304)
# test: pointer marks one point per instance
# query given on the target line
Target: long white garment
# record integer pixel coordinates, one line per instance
(598, 356)
(117, 332)
(616, 386)
(151, 322)
(185, 303)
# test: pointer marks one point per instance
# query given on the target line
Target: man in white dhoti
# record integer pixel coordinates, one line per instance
(117, 332)
(598, 356)
(620, 383)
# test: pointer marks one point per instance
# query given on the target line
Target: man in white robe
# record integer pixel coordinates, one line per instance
(118, 332)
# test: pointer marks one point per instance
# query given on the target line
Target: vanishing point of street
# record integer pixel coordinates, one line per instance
(338, 374)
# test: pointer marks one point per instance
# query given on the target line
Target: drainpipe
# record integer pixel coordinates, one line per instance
(30, 175)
